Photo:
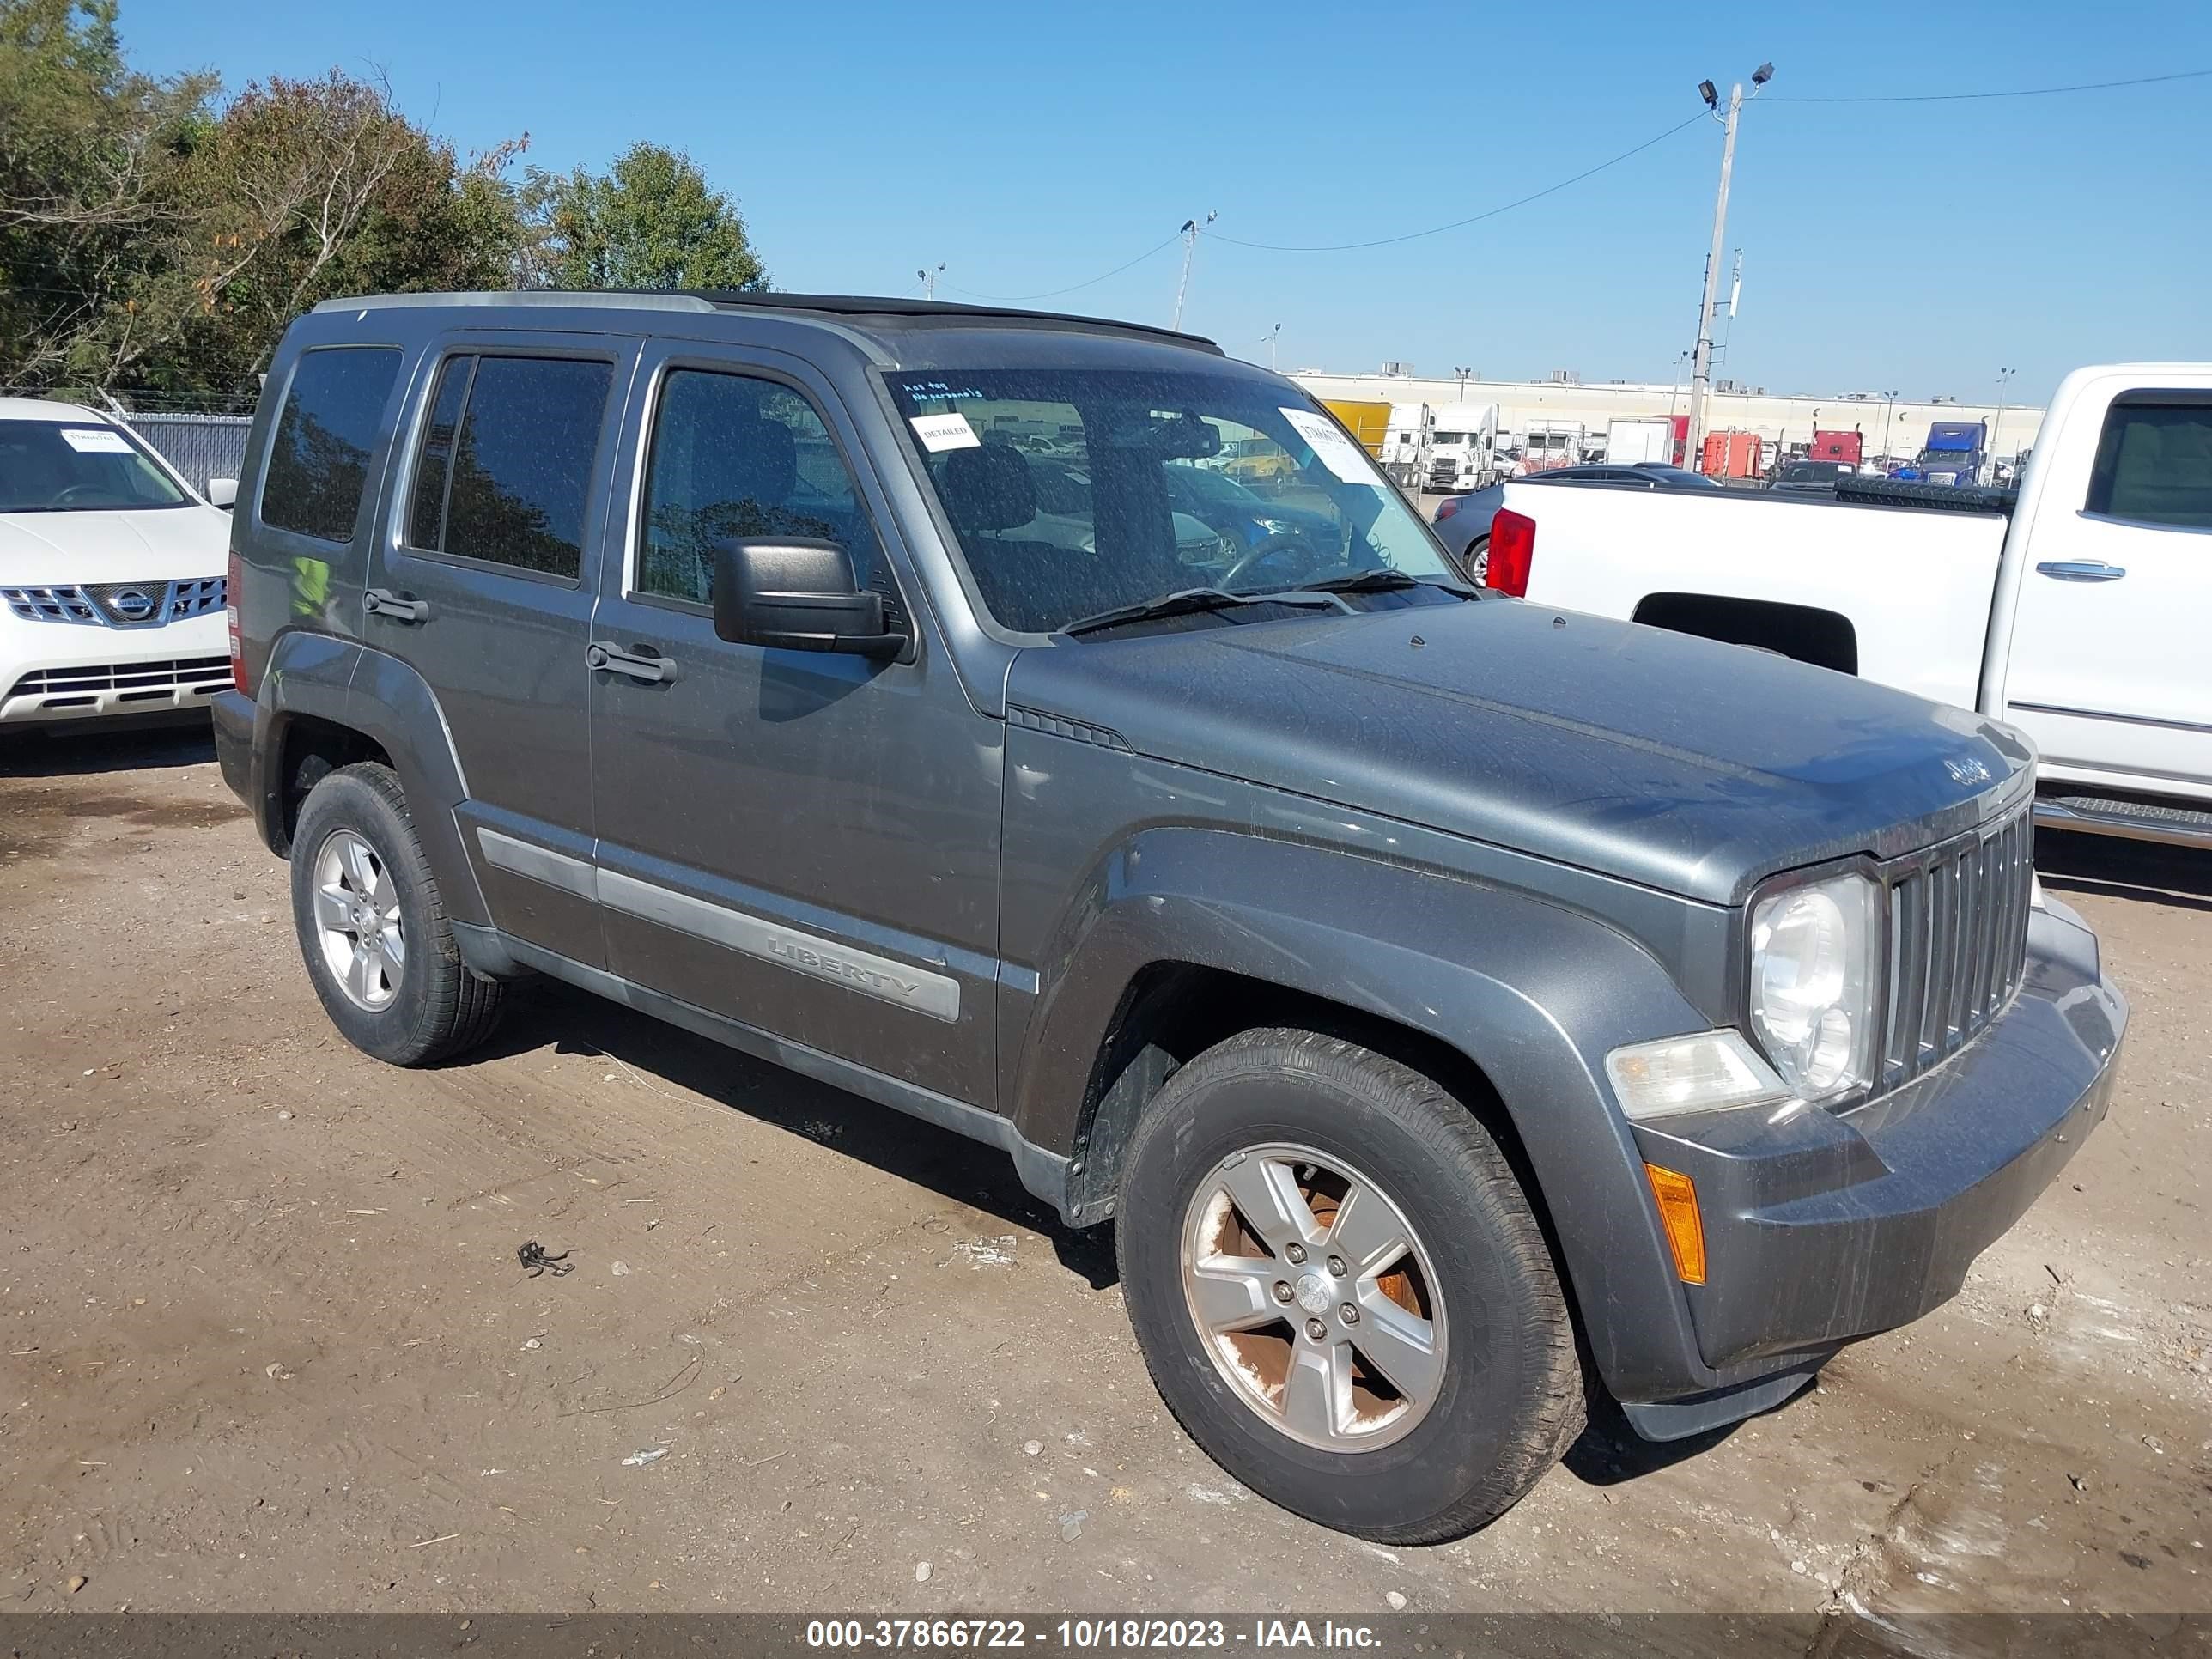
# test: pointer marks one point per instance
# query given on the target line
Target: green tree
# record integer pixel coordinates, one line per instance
(652, 221)
(90, 153)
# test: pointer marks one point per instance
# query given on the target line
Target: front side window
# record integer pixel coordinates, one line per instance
(734, 455)
(319, 460)
(504, 473)
(2155, 460)
(78, 466)
(1169, 482)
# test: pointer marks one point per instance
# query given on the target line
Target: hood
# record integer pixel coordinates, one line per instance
(153, 544)
(1680, 763)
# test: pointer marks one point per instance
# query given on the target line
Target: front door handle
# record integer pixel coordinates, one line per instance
(382, 602)
(602, 657)
(2081, 570)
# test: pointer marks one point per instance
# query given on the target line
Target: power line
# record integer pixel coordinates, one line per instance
(2020, 92)
(1054, 293)
(1458, 224)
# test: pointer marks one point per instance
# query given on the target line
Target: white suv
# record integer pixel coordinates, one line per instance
(111, 573)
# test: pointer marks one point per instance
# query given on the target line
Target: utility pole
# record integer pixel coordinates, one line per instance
(1190, 229)
(2003, 374)
(1274, 335)
(929, 281)
(1889, 410)
(1701, 367)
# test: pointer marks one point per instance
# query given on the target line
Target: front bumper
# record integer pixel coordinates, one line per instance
(50, 675)
(1828, 1226)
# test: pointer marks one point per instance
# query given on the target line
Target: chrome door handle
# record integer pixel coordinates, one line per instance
(602, 657)
(382, 602)
(2081, 570)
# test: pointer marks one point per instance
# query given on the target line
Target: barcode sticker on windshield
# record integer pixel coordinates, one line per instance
(95, 440)
(938, 433)
(1330, 446)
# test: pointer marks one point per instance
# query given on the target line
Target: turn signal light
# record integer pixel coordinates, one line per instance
(1678, 1213)
(1512, 552)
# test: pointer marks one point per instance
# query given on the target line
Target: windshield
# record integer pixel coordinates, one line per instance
(1142, 440)
(1951, 459)
(58, 466)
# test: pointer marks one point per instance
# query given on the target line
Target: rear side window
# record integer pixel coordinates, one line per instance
(319, 460)
(2155, 460)
(505, 471)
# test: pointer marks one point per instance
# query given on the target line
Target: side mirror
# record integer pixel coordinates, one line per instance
(222, 493)
(797, 594)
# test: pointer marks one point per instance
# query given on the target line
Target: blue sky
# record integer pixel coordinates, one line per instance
(1031, 147)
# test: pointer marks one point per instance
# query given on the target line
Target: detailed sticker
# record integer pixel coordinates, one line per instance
(940, 433)
(95, 440)
(1331, 447)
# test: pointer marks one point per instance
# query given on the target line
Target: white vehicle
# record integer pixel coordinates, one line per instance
(1406, 442)
(1650, 438)
(2074, 614)
(111, 573)
(1550, 443)
(1462, 439)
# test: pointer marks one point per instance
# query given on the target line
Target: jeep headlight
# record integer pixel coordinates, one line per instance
(1813, 994)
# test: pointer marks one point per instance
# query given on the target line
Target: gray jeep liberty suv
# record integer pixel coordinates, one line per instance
(1450, 1000)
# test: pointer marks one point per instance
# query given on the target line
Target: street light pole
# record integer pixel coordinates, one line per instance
(1274, 335)
(1702, 368)
(2003, 374)
(929, 281)
(1889, 413)
(1463, 373)
(1190, 229)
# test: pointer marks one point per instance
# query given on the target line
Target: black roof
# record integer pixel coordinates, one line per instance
(931, 313)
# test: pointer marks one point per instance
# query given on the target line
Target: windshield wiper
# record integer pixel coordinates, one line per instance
(1380, 581)
(1185, 603)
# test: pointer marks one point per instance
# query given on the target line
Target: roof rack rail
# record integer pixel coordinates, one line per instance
(926, 311)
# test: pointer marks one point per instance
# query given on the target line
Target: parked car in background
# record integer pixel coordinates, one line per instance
(1463, 523)
(111, 574)
(1244, 520)
(1454, 1006)
(2074, 613)
(1811, 476)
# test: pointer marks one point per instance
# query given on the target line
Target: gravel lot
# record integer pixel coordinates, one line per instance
(268, 1346)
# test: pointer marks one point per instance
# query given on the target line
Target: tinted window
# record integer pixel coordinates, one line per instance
(426, 514)
(319, 460)
(733, 456)
(518, 440)
(2155, 460)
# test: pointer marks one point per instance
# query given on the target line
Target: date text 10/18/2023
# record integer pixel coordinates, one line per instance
(1086, 1635)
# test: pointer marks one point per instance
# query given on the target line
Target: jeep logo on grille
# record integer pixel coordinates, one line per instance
(132, 604)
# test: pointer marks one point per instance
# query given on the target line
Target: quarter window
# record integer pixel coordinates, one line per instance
(505, 470)
(319, 460)
(736, 455)
(2155, 460)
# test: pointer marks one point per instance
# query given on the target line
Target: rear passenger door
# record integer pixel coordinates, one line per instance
(484, 581)
(805, 842)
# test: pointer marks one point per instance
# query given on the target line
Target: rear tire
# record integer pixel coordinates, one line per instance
(372, 928)
(1480, 1335)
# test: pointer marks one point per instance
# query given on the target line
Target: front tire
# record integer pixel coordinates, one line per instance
(1420, 1375)
(372, 926)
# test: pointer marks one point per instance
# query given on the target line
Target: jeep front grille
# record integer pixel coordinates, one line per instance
(117, 604)
(1958, 942)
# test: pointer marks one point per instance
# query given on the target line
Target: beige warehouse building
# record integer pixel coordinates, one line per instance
(1896, 429)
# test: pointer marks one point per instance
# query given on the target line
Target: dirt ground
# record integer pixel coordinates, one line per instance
(268, 1346)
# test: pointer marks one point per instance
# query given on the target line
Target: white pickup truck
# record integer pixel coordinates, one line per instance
(2077, 611)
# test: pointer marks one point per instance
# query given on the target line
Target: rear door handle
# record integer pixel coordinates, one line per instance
(2081, 570)
(641, 665)
(382, 602)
